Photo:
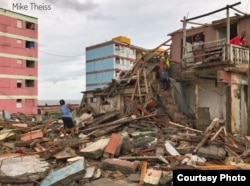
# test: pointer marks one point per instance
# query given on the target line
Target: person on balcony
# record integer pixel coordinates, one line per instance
(240, 39)
(198, 46)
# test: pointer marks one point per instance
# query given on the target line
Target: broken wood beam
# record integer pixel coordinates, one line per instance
(145, 80)
(184, 127)
(216, 167)
(47, 124)
(143, 167)
(207, 134)
(139, 85)
(124, 120)
(217, 133)
(230, 146)
(153, 158)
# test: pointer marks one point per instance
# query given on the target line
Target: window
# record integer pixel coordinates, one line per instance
(19, 23)
(117, 61)
(29, 44)
(30, 25)
(19, 41)
(19, 61)
(117, 73)
(117, 47)
(191, 39)
(93, 100)
(30, 64)
(132, 51)
(19, 103)
(29, 83)
(122, 48)
(19, 83)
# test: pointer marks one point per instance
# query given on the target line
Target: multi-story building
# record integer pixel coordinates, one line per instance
(18, 62)
(106, 60)
(214, 80)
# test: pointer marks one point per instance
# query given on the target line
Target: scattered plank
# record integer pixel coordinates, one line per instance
(32, 135)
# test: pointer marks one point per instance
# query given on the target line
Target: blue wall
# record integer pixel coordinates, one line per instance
(99, 65)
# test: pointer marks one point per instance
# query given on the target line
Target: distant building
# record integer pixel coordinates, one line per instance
(106, 60)
(18, 62)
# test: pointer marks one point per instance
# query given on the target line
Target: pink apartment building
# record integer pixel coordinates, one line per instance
(18, 62)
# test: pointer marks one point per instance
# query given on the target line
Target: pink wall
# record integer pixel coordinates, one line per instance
(9, 87)
(9, 25)
(27, 106)
(11, 66)
(11, 46)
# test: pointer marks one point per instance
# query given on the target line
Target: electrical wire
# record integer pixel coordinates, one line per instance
(57, 55)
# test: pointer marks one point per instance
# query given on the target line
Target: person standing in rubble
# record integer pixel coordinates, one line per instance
(67, 119)
(164, 71)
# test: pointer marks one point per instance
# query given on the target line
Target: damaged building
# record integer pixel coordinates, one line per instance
(138, 132)
(209, 84)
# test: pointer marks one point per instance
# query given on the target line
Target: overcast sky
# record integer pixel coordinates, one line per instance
(67, 27)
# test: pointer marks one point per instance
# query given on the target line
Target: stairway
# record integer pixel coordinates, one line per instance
(165, 99)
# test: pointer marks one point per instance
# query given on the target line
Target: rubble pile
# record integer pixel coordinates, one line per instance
(142, 149)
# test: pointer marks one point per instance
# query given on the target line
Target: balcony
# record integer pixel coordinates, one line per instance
(215, 53)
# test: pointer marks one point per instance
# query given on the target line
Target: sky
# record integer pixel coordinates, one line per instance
(67, 27)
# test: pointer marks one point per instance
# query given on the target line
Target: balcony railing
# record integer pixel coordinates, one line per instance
(215, 53)
(238, 54)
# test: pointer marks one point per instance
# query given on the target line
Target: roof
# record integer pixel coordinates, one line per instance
(6, 11)
(110, 42)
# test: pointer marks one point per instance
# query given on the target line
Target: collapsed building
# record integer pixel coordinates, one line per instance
(211, 83)
(141, 132)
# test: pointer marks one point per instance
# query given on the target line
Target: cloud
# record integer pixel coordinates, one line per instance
(80, 6)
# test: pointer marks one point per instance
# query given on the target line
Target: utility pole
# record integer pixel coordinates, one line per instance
(248, 97)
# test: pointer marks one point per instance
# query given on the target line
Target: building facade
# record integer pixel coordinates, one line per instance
(18, 62)
(214, 83)
(106, 60)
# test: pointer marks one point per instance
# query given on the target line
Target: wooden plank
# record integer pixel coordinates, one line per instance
(216, 167)
(207, 134)
(145, 80)
(47, 124)
(20, 125)
(6, 133)
(243, 166)
(113, 144)
(139, 85)
(184, 127)
(217, 133)
(143, 167)
(135, 89)
(32, 135)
